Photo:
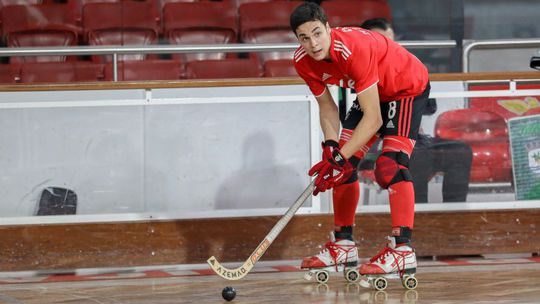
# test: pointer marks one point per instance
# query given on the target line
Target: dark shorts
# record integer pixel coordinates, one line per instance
(400, 118)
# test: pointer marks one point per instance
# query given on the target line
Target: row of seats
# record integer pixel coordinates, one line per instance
(143, 14)
(139, 70)
(197, 22)
(339, 8)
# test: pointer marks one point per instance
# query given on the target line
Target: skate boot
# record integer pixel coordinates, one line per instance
(336, 256)
(391, 263)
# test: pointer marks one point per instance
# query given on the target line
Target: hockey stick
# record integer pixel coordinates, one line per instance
(242, 271)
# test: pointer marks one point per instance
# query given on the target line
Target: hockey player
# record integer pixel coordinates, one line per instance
(392, 90)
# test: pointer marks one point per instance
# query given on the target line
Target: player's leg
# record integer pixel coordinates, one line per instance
(422, 167)
(401, 122)
(341, 250)
(455, 159)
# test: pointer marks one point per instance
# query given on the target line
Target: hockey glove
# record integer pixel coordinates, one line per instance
(334, 169)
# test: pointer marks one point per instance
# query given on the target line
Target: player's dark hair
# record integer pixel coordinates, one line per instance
(306, 12)
(376, 23)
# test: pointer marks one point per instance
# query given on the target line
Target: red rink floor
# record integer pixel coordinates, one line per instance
(461, 280)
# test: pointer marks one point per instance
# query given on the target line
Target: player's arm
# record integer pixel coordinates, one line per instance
(369, 124)
(329, 116)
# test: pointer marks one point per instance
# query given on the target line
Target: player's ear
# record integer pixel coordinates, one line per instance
(327, 27)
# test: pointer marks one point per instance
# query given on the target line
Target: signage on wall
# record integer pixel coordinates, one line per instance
(525, 147)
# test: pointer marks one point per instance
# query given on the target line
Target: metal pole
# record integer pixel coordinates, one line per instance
(176, 49)
(115, 66)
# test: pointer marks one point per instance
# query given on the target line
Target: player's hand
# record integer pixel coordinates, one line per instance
(334, 169)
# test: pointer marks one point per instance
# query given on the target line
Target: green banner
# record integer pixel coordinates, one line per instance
(525, 148)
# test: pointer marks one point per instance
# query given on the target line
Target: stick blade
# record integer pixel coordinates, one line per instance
(211, 261)
(229, 274)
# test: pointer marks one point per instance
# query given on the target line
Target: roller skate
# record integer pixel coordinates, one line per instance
(336, 256)
(390, 263)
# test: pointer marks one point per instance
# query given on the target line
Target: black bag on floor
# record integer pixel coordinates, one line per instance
(57, 201)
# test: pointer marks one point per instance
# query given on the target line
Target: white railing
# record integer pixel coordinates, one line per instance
(468, 46)
(175, 49)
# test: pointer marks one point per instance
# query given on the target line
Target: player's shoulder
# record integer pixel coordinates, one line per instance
(299, 54)
(350, 42)
(351, 37)
(351, 34)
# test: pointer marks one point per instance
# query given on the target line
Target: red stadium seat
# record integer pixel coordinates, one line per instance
(267, 22)
(19, 2)
(261, 16)
(9, 73)
(487, 135)
(226, 68)
(136, 70)
(76, 7)
(279, 68)
(470, 125)
(353, 13)
(164, 2)
(50, 72)
(38, 26)
(182, 25)
(238, 3)
(491, 161)
(126, 23)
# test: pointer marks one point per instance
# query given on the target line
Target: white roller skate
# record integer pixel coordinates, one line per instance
(340, 256)
(391, 263)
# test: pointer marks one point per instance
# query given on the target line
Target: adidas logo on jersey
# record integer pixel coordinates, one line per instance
(325, 76)
(390, 125)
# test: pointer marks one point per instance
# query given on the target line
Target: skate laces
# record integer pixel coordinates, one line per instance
(381, 256)
(333, 250)
(398, 255)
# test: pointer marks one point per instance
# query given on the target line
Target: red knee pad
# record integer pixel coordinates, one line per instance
(391, 168)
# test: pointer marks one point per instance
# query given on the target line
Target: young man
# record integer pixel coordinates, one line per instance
(392, 87)
(433, 154)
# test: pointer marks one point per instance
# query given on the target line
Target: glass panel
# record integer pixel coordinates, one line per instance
(467, 152)
(118, 156)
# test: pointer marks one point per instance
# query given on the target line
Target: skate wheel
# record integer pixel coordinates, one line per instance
(352, 275)
(380, 284)
(322, 276)
(410, 282)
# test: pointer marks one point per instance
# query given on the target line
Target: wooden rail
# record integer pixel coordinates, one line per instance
(199, 83)
(69, 246)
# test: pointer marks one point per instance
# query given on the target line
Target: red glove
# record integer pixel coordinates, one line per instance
(334, 169)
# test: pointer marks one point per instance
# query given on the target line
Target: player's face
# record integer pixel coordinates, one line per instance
(315, 38)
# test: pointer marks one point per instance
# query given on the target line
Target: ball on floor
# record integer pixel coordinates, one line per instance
(228, 293)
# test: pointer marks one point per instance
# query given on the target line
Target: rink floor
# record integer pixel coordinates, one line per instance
(465, 280)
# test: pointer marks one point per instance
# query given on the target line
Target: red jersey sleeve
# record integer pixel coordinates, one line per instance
(362, 64)
(316, 85)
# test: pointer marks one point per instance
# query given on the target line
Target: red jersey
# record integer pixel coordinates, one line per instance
(359, 59)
